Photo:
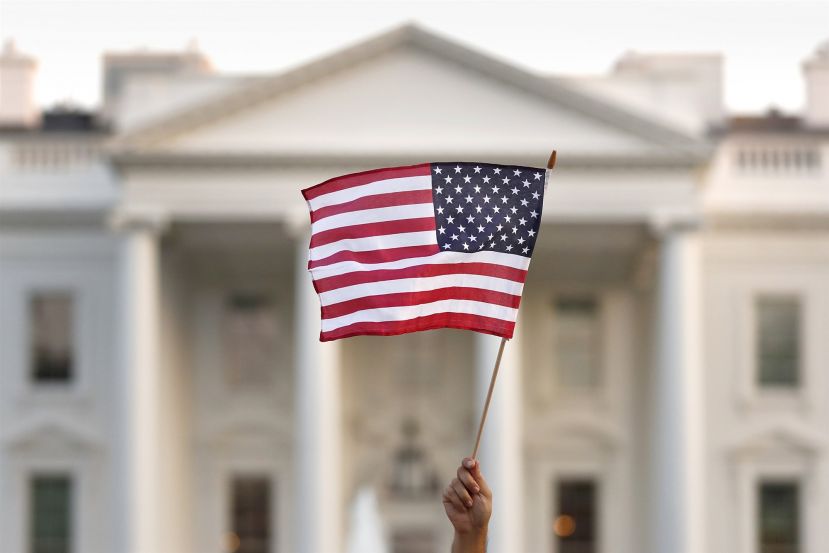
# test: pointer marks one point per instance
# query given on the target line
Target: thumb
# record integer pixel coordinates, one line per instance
(474, 468)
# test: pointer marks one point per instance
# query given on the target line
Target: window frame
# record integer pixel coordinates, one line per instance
(596, 391)
(74, 338)
(273, 494)
(756, 352)
(30, 506)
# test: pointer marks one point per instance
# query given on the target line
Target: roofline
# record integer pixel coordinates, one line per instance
(552, 89)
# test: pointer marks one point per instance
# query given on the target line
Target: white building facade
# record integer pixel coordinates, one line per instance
(162, 388)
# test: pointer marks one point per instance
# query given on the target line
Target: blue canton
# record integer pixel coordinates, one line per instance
(481, 206)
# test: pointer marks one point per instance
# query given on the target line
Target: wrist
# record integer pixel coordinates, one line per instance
(470, 541)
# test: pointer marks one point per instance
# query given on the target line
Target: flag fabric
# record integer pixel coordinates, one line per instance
(435, 245)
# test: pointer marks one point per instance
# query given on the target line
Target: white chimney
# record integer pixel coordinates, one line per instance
(816, 70)
(17, 79)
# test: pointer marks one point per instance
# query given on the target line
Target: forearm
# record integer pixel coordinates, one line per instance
(472, 542)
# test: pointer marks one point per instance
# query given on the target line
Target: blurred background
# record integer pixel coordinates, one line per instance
(162, 388)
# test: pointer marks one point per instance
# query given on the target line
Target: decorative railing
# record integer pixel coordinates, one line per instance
(55, 155)
(778, 159)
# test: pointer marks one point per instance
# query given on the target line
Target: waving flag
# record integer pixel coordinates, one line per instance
(421, 247)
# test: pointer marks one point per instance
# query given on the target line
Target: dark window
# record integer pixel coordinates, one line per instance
(252, 514)
(576, 342)
(250, 339)
(779, 517)
(778, 340)
(575, 525)
(50, 324)
(51, 503)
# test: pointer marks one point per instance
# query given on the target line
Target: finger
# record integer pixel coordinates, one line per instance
(474, 468)
(466, 478)
(449, 496)
(461, 491)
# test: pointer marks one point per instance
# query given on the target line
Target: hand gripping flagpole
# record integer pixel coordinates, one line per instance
(550, 164)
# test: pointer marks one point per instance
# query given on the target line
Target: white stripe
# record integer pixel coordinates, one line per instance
(496, 258)
(376, 215)
(420, 284)
(381, 242)
(400, 184)
(413, 311)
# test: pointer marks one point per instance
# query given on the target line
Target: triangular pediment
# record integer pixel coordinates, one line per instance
(408, 92)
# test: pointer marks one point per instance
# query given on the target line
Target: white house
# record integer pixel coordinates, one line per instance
(162, 389)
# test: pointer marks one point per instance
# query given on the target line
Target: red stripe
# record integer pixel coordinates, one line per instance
(418, 298)
(377, 256)
(374, 201)
(365, 177)
(465, 321)
(366, 230)
(418, 271)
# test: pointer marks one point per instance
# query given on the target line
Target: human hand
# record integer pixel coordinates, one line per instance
(468, 504)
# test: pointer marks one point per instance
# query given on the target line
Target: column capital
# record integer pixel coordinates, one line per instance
(668, 221)
(156, 221)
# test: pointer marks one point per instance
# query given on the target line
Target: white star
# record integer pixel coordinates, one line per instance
(480, 228)
(489, 237)
(521, 240)
(516, 172)
(514, 190)
(482, 245)
(514, 230)
(477, 189)
(526, 183)
(440, 210)
(448, 179)
(457, 168)
(522, 221)
(486, 199)
(449, 199)
(507, 218)
(450, 219)
(470, 219)
(496, 209)
(442, 230)
(488, 219)
(461, 228)
(514, 209)
(465, 246)
(497, 170)
(505, 179)
(524, 202)
(525, 250)
(439, 190)
(468, 199)
(478, 209)
(495, 189)
(503, 238)
(446, 246)
(503, 199)
(477, 169)
(509, 248)
(534, 214)
(492, 244)
(473, 238)
(467, 178)
(537, 176)
(454, 237)
(535, 195)
(458, 189)
(437, 170)
(499, 227)
(531, 233)
(459, 209)
(486, 180)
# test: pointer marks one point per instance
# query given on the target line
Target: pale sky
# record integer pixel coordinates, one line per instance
(764, 41)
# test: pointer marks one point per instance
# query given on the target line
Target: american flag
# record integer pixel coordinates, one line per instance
(426, 246)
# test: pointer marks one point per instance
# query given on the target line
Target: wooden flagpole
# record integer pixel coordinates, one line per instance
(550, 164)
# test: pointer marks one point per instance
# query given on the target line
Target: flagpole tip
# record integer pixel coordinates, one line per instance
(552, 161)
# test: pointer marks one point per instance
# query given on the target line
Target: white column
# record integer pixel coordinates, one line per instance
(318, 429)
(677, 486)
(502, 444)
(139, 454)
